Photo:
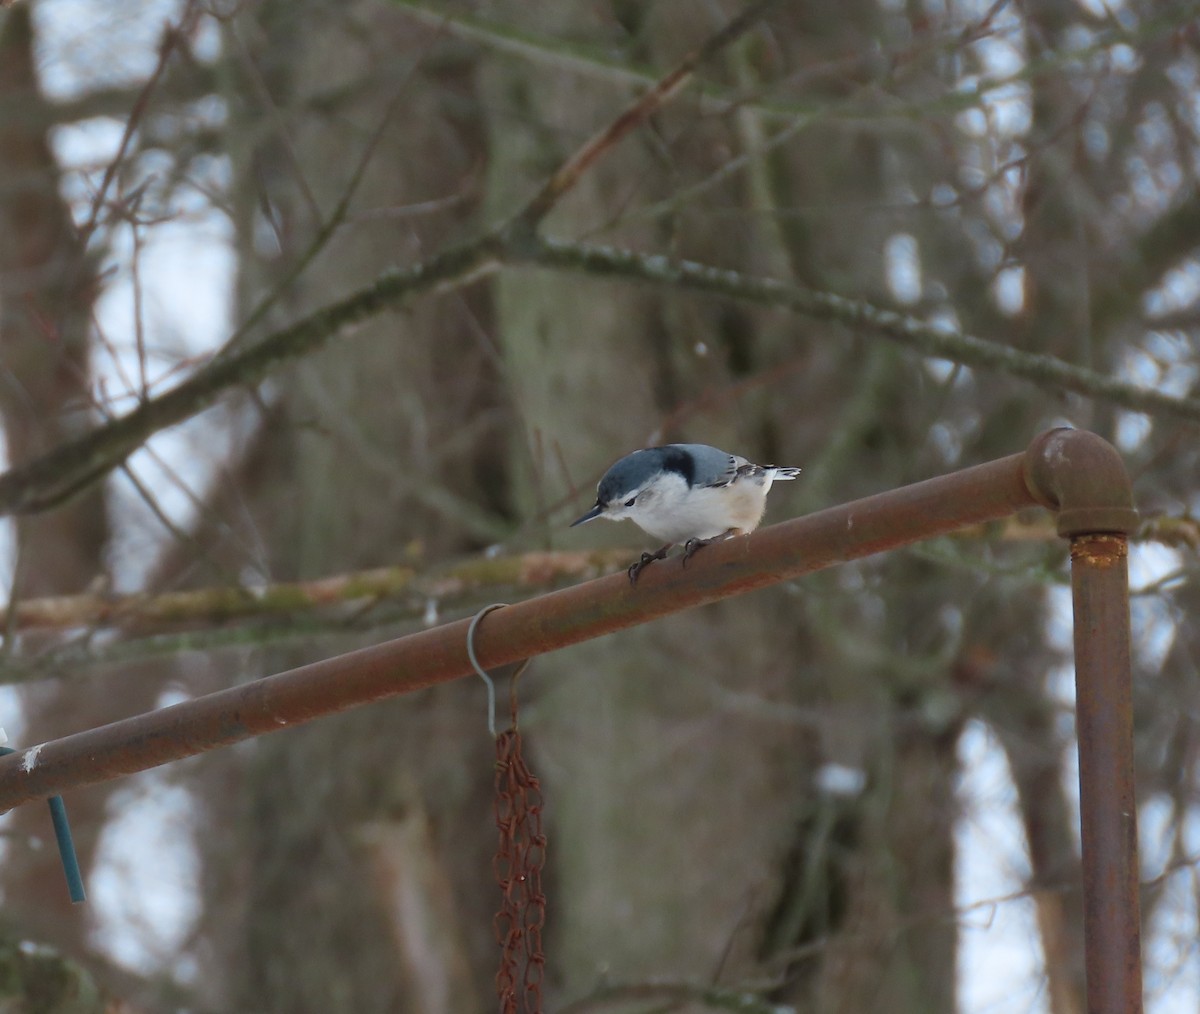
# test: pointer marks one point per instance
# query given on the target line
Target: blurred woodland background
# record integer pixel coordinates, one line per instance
(764, 801)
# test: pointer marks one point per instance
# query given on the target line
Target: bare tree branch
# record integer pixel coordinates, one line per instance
(928, 339)
(1173, 236)
(637, 113)
(596, 64)
(56, 476)
(207, 619)
(210, 618)
(61, 473)
(173, 35)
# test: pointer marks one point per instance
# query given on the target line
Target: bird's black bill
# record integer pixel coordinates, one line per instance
(593, 513)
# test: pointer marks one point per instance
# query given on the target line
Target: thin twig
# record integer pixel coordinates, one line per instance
(164, 519)
(172, 37)
(638, 112)
(327, 228)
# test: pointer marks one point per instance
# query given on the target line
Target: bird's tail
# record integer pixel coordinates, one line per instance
(782, 473)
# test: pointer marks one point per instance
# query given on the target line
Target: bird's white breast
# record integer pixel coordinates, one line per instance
(679, 513)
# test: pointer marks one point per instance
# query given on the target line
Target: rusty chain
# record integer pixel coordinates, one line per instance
(518, 868)
(520, 854)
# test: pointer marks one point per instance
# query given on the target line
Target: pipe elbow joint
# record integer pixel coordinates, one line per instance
(1081, 477)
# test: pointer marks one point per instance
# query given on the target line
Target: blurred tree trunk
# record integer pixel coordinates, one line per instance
(47, 287)
(355, 836)
(644, 730)
(642, 749)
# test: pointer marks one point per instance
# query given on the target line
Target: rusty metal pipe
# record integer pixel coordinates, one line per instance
(1107, 806)
(1071, 472)
(1083, 478)
(779, 553)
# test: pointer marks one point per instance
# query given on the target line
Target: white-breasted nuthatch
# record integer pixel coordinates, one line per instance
(689, 494)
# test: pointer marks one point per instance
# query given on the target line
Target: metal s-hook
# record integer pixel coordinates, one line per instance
(483, 675)
(491, 686)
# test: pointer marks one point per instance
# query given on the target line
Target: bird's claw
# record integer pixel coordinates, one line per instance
(690, 547)
(635, 569)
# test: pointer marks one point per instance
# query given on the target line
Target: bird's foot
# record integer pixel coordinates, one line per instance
(690, 547)
(635, 570)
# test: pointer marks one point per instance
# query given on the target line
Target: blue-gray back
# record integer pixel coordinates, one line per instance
(697, 464)
(712, 465)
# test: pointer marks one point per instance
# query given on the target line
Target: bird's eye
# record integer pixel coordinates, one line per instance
(630, 502)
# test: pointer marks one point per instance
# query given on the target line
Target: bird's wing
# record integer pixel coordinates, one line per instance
(714, 467)
(749, 470)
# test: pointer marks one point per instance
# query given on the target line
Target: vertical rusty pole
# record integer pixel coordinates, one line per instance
(1108, 809)
(1082, 477)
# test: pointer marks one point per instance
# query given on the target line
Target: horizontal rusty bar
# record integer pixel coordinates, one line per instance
(555, 620)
